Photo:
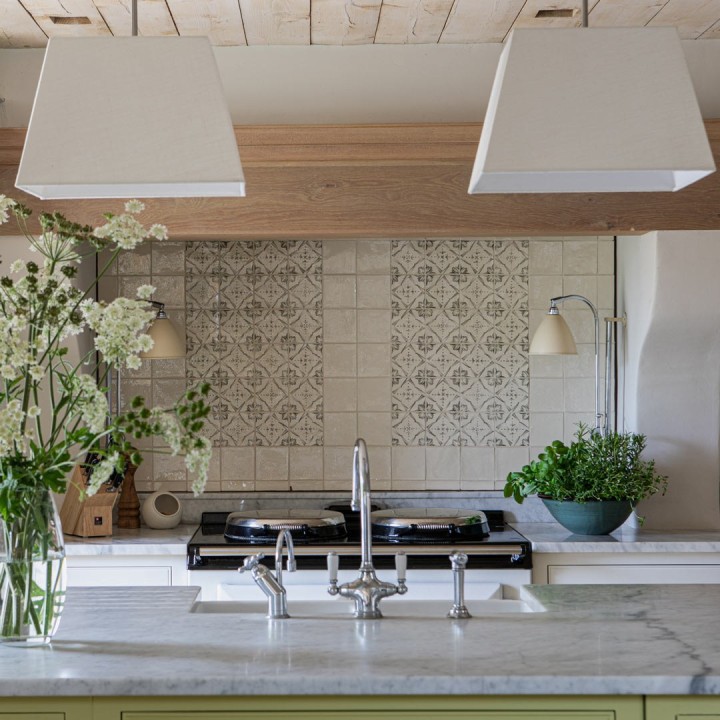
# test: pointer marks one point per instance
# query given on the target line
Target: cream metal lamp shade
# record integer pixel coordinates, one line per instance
(553, 337)
(591, 110)
(126, 117)
(168, 343)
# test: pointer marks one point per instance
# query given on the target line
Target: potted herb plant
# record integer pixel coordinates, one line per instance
(591, 486)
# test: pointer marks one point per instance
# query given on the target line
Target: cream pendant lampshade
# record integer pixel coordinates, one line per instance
(553, 337)
(126, 117)
(591, 110)
(167, 341)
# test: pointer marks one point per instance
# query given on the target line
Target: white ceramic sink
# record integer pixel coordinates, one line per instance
(336, 608)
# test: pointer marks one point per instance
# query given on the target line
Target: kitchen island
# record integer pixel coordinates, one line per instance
(116, 644)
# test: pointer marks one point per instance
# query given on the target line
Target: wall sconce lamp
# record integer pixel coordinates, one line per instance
(554, 337)
(168, 343)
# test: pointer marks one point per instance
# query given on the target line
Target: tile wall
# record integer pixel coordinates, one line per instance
(419, 346)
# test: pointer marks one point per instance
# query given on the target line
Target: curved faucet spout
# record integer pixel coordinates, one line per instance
(361, 499)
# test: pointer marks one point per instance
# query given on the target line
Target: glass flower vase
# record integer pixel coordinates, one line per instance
(32, 572)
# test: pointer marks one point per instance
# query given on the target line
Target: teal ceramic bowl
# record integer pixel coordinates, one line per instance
(595, 517)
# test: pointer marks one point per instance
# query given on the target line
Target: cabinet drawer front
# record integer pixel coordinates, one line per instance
(378, 715)
(113, 575)
(632, 574)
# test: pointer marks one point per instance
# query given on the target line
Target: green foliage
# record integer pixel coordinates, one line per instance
(593, 467)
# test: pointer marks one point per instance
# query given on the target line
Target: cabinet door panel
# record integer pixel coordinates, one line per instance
(118, 575)
(683, 707)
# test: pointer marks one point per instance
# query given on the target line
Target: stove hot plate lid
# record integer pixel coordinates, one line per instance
(264, 525)
(429, 524)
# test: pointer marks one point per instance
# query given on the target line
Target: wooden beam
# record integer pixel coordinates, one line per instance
(385, 181)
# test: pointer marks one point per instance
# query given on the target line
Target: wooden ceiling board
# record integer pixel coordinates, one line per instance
(625, 13)
(154, 19)
(472, 21)
(280, 22)
(17, 27)
(691, 17)
(528, 16)
(712, 33)
(344, 22)
(220, 20)
(404, 22)
(44, 10)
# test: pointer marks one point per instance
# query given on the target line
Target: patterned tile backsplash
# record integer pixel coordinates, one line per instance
(418, 345)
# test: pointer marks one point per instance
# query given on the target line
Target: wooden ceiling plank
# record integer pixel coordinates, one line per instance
(220, 20)
(344, 22)
(528, 16)
(154, 19)
(55, 18)
(282, 22)
(471, 21)
(404, 22)
(625, 13)
(712, 33)
(17, 27)
(691, 17)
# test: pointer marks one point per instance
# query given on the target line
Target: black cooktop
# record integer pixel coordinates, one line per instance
(210, 549)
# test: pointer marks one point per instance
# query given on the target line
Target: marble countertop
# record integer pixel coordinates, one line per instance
(553, 538)
(143, 541)
(618, 639)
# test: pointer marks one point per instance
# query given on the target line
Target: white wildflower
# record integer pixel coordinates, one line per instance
(134, 206)
(102, 472)
(16, 266)
(120, 330)
(37, 372)
(11, 436)
(197, 461)
(33, 411)
(5, 204)
(91, 403)
(158, 232)
(145, 292)
(124, 230)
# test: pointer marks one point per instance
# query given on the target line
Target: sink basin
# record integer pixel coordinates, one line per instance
(336, 608)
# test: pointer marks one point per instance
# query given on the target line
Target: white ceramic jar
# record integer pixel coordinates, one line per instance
(161, 510)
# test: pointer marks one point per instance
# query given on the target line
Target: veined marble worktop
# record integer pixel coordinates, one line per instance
(615, 640)
(553, 538)
(143, 541)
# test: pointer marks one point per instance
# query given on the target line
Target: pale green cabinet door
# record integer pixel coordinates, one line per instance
(683, 707)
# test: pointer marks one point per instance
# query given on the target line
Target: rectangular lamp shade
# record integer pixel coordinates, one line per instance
(591, 110)
(130, 117)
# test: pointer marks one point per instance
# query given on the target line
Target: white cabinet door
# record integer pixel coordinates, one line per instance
(115, 575)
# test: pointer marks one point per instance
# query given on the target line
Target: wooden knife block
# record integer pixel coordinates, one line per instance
(87, 516)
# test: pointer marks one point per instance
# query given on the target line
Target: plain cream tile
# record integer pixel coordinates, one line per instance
(339, 291)
(213, 470)
(237, 463)
(169, 470)
(340, 395)
(380, 458)
(373, 256)
(374, 326)
(306, 485)
(374, 360)
(107, 288)
(546, 427)
(477, 464)
(144, 477)
(543, 287)
(340, 428)
(339, 257)
(272, 485)
(582, 364)
(442, 464)
(448, 485)
(580, 257)
(337, 464)
(168, 258)
(339, 326)
(135, 261)
(606, 256)
(585, 285)
(374, 394)
(271, 464)
(408, 463)
(606, 291)
(128, 285)
(375, 427)
(169, 289)
(167, 368)
(580, 321)
(237, 486)
(580, 394)
(510, 459)
(373, 291)
(545, 257)
(546, 395)
(340, 360)
(166, 393)
(408, 485)
(546, 366)
(306, 464)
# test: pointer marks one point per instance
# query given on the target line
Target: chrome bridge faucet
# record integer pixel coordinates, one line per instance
(271, 584)
(366, 590)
